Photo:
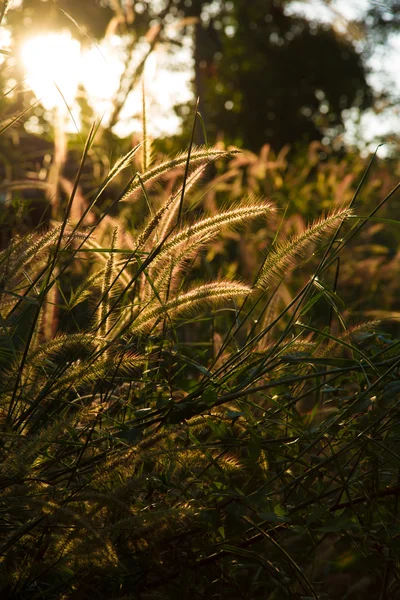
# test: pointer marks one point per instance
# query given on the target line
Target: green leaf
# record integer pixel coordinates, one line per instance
(142, 412)
(362, 405)
(273, 518)
(132, 436)
(333, 362)
(209, 396)
(392, 388)
(338, 525)
(234, 414)
(279, 510)
(218, 428)
(254, 447)
(186, 410)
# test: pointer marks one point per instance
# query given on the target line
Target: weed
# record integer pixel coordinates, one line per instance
(165, 432)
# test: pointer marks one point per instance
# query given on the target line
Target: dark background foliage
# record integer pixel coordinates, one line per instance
(263, 73)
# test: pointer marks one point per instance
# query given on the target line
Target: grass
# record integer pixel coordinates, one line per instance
(165, 431)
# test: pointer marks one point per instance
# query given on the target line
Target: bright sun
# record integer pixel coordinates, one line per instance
(52, 63)
(56, 64)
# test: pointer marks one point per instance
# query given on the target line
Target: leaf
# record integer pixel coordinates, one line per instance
(338, 525)
(254, 447)
(279, 510)
(392, 388)
(185, 410)
(142, 412)
(333, 362)
(218, 428)
(234, 414)
(209, 396)
(360, 406)
(273, 518)
(132, 436)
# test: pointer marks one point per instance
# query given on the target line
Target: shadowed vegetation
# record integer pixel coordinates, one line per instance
(169, 427)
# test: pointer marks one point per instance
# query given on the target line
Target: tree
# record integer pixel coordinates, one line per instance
(269, 76)
(384, 18)
(262, 73)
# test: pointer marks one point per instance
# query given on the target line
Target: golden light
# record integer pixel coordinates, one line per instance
(101, 70)
(52, 63)
(150, 69)
(56, 64)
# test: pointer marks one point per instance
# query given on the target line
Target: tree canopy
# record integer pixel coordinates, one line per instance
(279, 78)
(263, 73)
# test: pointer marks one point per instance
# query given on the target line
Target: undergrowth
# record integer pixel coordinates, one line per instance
(164, 432)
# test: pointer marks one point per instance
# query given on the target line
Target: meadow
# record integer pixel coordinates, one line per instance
(200, 379)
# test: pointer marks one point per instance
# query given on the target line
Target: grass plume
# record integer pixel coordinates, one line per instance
(282, 258)
(199, 156)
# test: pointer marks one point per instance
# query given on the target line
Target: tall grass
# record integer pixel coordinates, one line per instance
(167, 433)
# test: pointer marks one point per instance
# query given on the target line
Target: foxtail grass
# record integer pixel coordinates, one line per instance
(179, 427)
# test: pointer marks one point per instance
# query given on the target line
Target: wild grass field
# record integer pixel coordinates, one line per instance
(200, 381)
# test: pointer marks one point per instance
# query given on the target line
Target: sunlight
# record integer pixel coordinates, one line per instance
(52, 63)
(101, 69)
(56, 65)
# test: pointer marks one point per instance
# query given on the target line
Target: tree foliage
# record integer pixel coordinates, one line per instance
(263, 73)
(276, 77)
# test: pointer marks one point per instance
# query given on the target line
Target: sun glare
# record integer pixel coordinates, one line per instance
(56, 65)
(101, 70)
(52, 63)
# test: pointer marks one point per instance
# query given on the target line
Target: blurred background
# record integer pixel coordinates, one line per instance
(307, 89)
(266, 71)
